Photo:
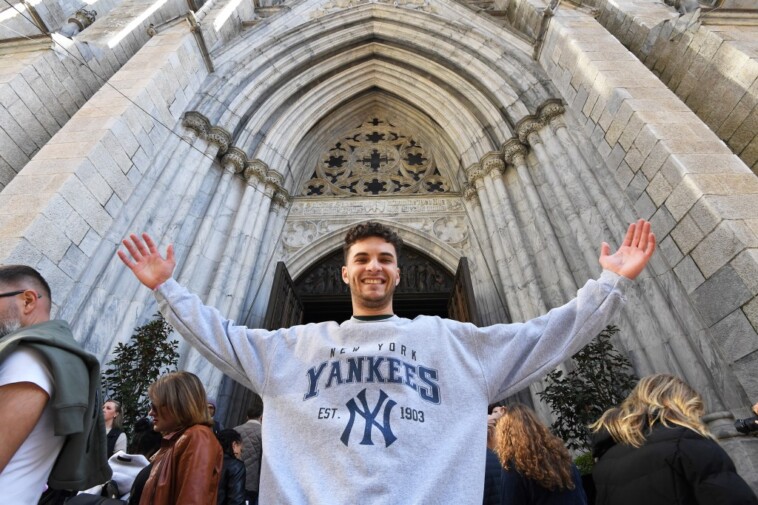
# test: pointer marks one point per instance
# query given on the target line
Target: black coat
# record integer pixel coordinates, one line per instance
(675, 466)
(231, 485)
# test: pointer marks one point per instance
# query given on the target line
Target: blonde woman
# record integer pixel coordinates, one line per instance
(116, 438)
(537, 467)
(187, 467)
(655, 450)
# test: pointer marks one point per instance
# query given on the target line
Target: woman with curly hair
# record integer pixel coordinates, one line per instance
(654, 449)
(537, 467)
(187, 468)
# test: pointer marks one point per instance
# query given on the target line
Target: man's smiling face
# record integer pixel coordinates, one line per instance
(372, 274)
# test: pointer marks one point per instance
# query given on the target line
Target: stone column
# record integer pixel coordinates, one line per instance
(232, 163)
(527, 132)
(532, 304)
(504, 256)
(514, 153)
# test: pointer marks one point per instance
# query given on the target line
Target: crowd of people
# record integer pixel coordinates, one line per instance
(379, 408)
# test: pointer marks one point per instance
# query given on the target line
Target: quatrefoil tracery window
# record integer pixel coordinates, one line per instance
(376, 159)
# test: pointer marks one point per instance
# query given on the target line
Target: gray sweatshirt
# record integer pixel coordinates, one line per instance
(390, 411)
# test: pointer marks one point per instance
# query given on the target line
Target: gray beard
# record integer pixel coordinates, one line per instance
(7, 327)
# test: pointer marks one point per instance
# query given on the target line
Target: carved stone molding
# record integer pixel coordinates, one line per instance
(236, 158)
(256, 169)
(492, 161)
(338, 5)
(232, 155)
(301, 233)
(551, 109)
(220, 137)
(514, 152)
(281, 198)
(470, 194)
(474, 172)
(526, 127)
(196, 122)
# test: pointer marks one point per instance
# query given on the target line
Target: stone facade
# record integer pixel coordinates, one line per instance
(519, 134)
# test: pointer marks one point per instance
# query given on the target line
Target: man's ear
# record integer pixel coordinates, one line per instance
(30, 301)
(344, 275)
(397, 281)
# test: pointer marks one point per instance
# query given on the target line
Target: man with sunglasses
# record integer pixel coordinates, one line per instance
(48, 396)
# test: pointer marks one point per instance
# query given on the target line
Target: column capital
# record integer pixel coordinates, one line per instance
(255, 169)
(527, 129)
(550, 109)
(492, 161)
(513, 151)
(219, 136)
(474, 172)
(235, 158)
(196, 122)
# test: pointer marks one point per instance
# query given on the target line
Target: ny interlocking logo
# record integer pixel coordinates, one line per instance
(370, 418)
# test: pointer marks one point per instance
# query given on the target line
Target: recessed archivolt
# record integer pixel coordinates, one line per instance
(249, 76)
(471, 138)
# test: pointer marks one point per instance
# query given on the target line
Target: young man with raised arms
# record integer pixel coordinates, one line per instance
(379, 408)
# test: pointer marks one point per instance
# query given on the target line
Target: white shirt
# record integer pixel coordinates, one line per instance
(24, 479)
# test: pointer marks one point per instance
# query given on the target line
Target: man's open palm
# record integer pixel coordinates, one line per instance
(146, 262)
(634, 253)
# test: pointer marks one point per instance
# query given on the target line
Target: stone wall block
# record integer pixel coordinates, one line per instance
(735, 336)
(48, 238)
(670, 251)
(751, 312)
(74, 262)
(720, 295)
(94, 180)
(726, 241)
(662, 222)
(689, 274)
(687, 235)
(659, 190)
(681, 199)
(746, 266)
(78, 195)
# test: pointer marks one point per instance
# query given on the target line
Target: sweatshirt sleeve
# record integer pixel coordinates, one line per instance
(240, 352)
(515, 355)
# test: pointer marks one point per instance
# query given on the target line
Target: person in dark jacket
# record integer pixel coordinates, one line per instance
(654, 449)
(537, 467)
(231, 486)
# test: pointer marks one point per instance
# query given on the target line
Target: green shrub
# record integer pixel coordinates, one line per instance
(602, 379)
(135, 365)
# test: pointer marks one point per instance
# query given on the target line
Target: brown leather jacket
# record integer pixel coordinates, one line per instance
(186, 469)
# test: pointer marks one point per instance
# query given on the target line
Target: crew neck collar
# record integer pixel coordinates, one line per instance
(379, 317)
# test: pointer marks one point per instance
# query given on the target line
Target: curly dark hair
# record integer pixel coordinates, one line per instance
(371, 229)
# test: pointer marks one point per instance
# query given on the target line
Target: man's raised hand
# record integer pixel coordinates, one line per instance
(146, 262)
(634, 253)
